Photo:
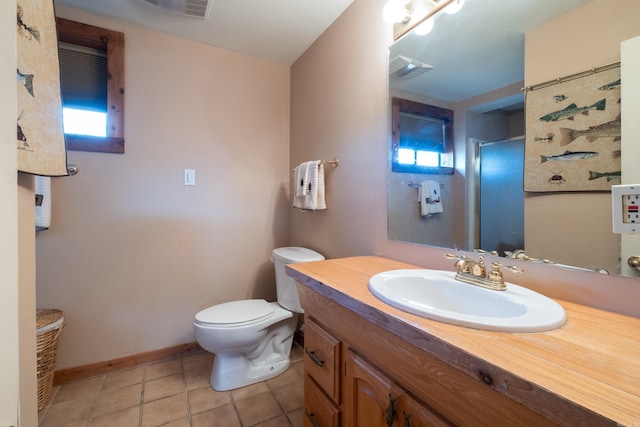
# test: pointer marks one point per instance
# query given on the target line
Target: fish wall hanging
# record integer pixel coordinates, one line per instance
(573, 134)
(41, 148)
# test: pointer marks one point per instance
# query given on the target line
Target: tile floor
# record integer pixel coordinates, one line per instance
(176, 393)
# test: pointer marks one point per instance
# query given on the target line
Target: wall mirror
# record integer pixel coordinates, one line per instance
(473, 64)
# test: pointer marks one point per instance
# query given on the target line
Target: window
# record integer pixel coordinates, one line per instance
(92, 84)
(422, 138)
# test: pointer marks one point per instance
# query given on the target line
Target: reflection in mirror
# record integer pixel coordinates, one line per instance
(499, 195)
(476, 68)
(422, 138)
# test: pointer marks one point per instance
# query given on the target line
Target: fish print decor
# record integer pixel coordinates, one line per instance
(573, 135)
(40, 139)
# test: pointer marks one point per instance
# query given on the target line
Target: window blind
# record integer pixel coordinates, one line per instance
(83, 77)
(421, 133)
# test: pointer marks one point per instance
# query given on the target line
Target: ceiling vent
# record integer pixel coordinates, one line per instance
(401, 67)
(193, 8)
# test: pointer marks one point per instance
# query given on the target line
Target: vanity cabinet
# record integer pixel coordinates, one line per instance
(369, 397)
(357, 374)
(374, 400)
(585, 373)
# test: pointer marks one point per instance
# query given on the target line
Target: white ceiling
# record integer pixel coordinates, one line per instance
(275, 30)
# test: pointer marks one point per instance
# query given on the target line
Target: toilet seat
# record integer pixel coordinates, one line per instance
(236, 313)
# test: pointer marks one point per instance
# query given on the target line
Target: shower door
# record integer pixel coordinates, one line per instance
(501, 197)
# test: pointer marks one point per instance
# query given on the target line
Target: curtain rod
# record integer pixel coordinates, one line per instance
(572, 76)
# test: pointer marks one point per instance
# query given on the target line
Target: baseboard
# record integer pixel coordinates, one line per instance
(64, 376)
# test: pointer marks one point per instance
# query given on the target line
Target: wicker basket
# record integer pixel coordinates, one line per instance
(49, 323)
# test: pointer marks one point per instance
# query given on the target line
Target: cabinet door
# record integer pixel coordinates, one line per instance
(319, 410)
(322, 358)
(370, 398)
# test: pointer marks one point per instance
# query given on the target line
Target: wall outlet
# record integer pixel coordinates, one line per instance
(625, 204)
(630, 213)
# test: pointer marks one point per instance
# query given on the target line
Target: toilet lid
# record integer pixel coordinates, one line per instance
(234, 312)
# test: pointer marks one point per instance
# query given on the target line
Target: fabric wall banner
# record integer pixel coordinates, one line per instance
(573, 134)
(40, 136)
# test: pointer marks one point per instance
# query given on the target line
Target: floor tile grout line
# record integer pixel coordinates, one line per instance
(186, 392)
(95, 402)
(235, 408)
(284, 412)
(142, 389)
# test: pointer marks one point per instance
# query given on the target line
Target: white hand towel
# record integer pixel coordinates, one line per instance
(435, 205)
(424, 198)
(43, 202)
(320, 199)
(314, 199)
(301, 183)
(298, 181)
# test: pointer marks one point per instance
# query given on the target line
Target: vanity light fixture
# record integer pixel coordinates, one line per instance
(426, 27)
(396, 11)
(454, 7)
(419, 14)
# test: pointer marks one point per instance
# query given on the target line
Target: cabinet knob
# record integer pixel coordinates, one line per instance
(314, 358)
(312, 419)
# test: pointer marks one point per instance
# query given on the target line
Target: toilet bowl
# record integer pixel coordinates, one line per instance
(252, 339)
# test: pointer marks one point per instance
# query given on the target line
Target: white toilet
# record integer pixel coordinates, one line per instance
(252, 339)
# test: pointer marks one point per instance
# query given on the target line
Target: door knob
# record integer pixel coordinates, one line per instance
(634, 262)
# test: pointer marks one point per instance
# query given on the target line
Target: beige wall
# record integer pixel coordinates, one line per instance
(339, 107)
(18, 403)
(9, 307)
(132, 254)
(545, 214)
(630, 74)
(27, 299)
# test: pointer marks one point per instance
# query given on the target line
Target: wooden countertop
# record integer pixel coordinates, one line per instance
(591, 363)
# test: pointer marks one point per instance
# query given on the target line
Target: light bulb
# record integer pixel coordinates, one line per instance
(424, 28)
(454, 7)
(395, 11)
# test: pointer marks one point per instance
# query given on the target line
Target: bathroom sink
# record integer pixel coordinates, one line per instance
(436, 295)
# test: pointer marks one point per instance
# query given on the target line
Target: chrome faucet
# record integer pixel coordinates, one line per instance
(476, 273)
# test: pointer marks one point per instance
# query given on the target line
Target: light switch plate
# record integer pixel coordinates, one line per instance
(625, 205)
(189, 177)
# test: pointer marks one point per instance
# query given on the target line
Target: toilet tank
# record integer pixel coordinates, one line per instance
(285, 285)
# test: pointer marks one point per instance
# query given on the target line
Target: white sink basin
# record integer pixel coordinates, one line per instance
(436, 295)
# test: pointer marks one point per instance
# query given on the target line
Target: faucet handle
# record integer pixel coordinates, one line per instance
(495, 275)
(512, 268)
(495, 266)
(462, 264)
(482, 251)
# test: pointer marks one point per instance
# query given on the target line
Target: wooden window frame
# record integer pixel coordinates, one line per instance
(113, 43)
